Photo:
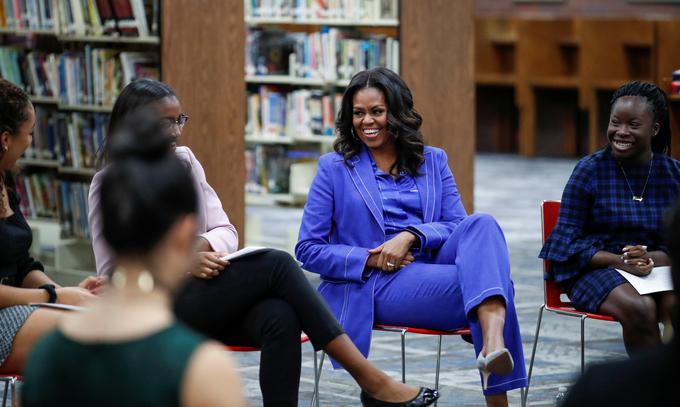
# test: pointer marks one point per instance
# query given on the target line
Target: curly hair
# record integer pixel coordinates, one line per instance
(403, 121)
(658, 104)
(14, 104)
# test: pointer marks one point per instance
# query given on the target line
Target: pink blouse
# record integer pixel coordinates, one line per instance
(213, 223)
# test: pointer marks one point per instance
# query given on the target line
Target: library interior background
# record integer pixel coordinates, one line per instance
(514, 91)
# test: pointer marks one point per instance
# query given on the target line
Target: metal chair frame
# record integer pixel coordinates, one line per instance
(552, 292)
(10, 385)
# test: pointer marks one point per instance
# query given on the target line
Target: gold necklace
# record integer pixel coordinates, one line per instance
(641, 197)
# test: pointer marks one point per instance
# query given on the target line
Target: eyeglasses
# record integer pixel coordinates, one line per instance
(180, 121)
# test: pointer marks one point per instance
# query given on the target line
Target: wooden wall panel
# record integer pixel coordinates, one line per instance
(668, 60)
(203, 57)
(437, 63)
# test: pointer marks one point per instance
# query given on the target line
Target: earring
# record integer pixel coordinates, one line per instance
(354, 135)
(4, 148)
(118, 278)
(145, 281)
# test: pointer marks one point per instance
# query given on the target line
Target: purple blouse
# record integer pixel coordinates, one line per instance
(213, 222)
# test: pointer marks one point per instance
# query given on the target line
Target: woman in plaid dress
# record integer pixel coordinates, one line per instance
(612, 213)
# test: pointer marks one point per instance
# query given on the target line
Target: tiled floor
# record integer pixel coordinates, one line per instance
(510, 188)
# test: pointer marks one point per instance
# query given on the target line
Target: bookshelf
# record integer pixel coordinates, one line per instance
(298, 61)
(72, 57)
(435, 56)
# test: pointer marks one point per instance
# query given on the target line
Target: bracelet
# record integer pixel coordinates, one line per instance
(51, 291)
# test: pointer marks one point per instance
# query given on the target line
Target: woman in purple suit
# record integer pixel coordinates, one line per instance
(385, 228)
(263, 299)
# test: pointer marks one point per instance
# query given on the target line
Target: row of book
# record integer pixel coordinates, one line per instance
(137, 18)
(354, 10)
(44, 196)
(72, 139)
(272, 112)
(93, 76)
(268, 167)
(331, 54)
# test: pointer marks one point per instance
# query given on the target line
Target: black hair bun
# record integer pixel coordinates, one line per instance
(142, 137)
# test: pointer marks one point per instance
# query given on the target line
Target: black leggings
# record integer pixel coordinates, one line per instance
(262, 300)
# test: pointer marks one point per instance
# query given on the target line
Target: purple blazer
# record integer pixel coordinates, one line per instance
(343, 219)
(213, 223)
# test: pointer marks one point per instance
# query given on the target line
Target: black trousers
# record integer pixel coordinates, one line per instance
(262, 300)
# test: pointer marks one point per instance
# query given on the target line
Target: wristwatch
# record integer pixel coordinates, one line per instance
(51, 291)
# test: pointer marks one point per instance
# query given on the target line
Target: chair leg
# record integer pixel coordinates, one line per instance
(436, 375)
(403, 356)
(533, 354)
(583, 343)
(4, 394)
(317, 378)
(14, 392)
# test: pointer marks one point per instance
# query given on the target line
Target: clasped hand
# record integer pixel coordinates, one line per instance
(636, 260)
(394, 254)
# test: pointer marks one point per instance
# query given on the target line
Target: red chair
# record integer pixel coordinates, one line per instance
(10, 385)
(553, 292)
(403, 330)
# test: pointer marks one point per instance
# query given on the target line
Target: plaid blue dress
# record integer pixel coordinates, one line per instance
(598, 213)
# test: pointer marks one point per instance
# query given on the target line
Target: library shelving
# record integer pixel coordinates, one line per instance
(72, 58)
(435, 58)
(299, 58)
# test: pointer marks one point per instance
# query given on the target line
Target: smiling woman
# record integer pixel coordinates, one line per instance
(612, 213)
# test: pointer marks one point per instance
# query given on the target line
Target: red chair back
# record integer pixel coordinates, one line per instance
(550, 211)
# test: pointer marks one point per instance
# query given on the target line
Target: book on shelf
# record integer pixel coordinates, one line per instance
(93, 76)
(36, 72)
(71, 140)
(354, 10)
(73, 209)
(138, 18)
(268, 167)
(44, 144)
(272, 112)
(79, 136)
(329, 55)
(39, 195)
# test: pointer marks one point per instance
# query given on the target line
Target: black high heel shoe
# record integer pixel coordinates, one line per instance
(424, 398)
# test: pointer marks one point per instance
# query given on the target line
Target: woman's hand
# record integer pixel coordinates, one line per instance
(93, 284)
(639, 267)
(73, 295)
(393, 254)
(209, 264)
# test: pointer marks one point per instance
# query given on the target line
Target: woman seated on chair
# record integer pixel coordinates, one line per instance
(261, 300)
(611, 215)
(22, 280)
(385, 228)
(127, 349)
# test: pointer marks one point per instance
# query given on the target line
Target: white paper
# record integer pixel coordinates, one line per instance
(656, 281)
(246, 251)
(64, 307)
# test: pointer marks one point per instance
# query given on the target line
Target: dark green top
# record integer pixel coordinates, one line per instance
(144, 372)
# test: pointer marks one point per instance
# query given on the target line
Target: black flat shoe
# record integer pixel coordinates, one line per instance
(424, 398)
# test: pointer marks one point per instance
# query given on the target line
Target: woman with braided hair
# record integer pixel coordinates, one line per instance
(612, 212)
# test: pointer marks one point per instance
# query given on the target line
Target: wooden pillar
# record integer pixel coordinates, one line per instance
(437, 63)
(203, 55)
